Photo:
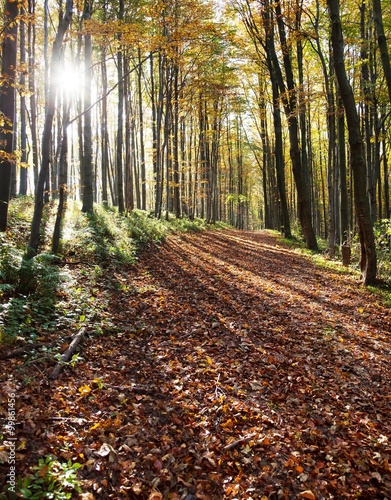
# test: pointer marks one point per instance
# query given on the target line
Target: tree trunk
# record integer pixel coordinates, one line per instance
(104, 132)
(7, 107)
(344, 210)
(62, 180)
(64, 23)
(279, 146)
(31, 83)
(142, 145)
(290, 103)
(88, 177)
(175, 144)
(357, 154)
(23, 110)
(131, 150)
(382, 42)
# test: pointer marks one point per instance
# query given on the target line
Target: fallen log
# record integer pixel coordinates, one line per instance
(20, 351)
(67, 355)
(28, 348)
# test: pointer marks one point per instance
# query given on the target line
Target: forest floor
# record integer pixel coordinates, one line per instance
(235, 368)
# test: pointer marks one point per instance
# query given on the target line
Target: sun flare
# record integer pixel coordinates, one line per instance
(69, 79)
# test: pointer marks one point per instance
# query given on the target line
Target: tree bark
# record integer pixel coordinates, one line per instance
(382, 43)
(7, 108)
(88, 177)
(357, 155)
(120, 121)
(64, 23)
(142, 145)
(104, 132)
(31, 82)
(23, 109)
(62, 181)
(289, 96)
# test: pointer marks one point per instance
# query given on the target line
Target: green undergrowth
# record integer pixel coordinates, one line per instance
(321, 258)
(109, 238)
(55, 293)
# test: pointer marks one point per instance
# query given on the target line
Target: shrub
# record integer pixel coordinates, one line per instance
(53, 480)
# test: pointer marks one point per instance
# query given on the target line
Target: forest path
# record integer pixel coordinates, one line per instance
(237, 369)
(263, 372)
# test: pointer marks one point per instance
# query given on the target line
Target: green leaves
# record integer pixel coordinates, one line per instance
(53, 480)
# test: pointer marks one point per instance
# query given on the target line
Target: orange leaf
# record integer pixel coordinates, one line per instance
(307, 494)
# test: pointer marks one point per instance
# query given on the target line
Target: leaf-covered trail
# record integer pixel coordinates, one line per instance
(240, 370)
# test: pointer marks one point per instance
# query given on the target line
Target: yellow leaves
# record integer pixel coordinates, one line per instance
(84, 390)
(209, 361)
(22, 445)
(233, 489)
(229, 424)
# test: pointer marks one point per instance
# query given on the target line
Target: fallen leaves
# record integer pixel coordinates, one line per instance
(234, 371)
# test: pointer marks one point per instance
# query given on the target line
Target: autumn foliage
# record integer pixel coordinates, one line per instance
(228, 366)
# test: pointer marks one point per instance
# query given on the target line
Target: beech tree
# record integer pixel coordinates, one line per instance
(357, 154)
(65, 18)
(382, 42)
(88, 176)
(7, 107)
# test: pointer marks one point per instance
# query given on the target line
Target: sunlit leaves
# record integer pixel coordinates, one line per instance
(225, 378)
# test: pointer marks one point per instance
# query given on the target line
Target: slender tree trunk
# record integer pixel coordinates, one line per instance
(23, 109)
(157, 118)
(301, 176)
(279, 146)
(64, 23)
(104, 132)
(382, 42)
(386, 186)
(88, 174)
(142, 144)
(175, 142)
(344, 205)
(131, 151)
(357, 155)
(332, 169)
(62, 180)
(31, 84)
(368, 104)
(120, 119)
(7, 107)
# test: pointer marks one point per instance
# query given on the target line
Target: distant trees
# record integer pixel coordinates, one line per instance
(176, 111)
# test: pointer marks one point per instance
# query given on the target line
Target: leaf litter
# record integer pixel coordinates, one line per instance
(237, 368)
